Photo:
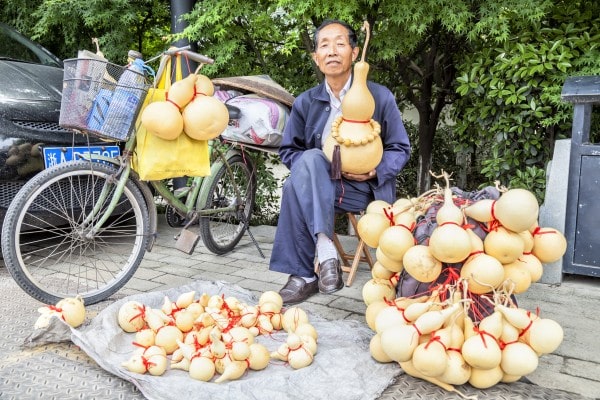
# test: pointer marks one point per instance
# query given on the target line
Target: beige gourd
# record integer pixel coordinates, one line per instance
(376, 350)
(532, 264)
(378, 206)
(381, 272)
(292, 317)
(388, 263)
(395, 241)
(201, 368)
(72, 310)
(504, 245)
(259, 357)
(399, 342)
(450, 243)
(544, 335)
(517, 317)
(372, 312)
(355, 132)
(516, 209)
(549, 245)
(482, 351)
(482, 272)
(184, 320)
(270, 296)
(205, 117)
(448, 212)
(299, 355)
(131, 316)
(485, 378)
(167, 337)
(481, 210)
(370, 227)
(378, 290)
(389, 316)
(430, 358)
(518, 359)
(185, 299)
(307, 329)
(457, 370)
(163, 118)
(145, 337)
(421, 264)
(517, 276)
(409, 368)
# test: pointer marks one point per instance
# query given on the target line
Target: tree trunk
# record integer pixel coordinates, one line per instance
(426, 135)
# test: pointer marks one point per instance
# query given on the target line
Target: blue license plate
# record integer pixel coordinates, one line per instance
(57, 155)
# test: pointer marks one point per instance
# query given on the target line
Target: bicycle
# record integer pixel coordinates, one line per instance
(102, 218)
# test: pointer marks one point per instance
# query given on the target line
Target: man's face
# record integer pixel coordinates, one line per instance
(334, 55)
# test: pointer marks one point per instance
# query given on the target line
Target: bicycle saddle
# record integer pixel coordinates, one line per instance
(234, 112)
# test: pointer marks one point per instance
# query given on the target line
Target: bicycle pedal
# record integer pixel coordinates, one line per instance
(187, 241)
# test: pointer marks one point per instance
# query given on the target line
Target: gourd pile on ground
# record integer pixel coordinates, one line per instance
(462, 324)
(215, 335)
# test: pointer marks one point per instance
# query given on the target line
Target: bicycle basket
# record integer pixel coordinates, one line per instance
(101, 98)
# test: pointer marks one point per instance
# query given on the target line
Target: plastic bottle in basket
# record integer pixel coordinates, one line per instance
(125, 100)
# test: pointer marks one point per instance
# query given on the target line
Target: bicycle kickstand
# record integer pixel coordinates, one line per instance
(187, 240)
(245, 221)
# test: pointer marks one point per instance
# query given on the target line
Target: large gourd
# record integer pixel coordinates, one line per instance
(163, 118)
(205, 117)
(355, 133)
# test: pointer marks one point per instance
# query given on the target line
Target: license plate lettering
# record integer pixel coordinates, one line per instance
(57, 155)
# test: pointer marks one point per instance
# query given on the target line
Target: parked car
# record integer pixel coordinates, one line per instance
(30, 93)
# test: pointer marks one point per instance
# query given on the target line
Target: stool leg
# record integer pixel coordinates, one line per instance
(361, 253)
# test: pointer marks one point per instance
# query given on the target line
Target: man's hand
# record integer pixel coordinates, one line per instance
(360, 177)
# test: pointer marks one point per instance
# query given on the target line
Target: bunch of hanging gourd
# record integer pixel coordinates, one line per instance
(438, 341)
(513, 249)
(189, 108)
(354, 144)
(215, 335)
(506, 261)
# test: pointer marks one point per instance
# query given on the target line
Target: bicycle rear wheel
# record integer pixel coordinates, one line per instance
(51, 250)
(222, 231)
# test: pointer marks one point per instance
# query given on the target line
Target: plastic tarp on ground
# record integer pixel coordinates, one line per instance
(342, 368)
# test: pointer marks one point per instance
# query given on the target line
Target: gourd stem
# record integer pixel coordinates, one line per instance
(365, 28)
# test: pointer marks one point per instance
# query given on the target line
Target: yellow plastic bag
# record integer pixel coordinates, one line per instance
(155, 158)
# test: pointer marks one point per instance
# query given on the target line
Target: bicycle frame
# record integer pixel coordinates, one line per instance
(187, 208)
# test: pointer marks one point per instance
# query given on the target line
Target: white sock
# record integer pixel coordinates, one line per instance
(309, 280)
(325, 248)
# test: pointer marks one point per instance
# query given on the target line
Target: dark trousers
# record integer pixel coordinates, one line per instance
(310, 200)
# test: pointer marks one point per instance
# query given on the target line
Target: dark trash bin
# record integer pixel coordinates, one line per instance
(582, 224)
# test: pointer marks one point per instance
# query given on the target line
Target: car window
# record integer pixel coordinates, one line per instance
(15, 46)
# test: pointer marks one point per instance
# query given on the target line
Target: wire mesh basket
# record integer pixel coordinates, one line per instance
(101, 98)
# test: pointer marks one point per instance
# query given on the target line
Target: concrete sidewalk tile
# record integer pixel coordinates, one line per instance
(216, 276)
(144, 285)
(148, 273)
(348, 304)
(212, 258)
(168, 281)
(177, 270)
(258, 286)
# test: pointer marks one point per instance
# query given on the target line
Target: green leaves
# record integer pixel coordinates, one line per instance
(517, 113)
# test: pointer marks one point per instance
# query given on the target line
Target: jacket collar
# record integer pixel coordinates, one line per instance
(321, 91)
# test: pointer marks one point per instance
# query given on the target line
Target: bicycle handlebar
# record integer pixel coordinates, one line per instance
(186, 52)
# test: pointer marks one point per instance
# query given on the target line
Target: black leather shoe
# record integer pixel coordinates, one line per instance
(330, 276)
(296, 290)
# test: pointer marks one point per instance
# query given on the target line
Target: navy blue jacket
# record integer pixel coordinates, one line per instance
(309, 114)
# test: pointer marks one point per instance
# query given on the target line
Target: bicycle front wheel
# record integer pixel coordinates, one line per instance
(222, 230)
(49, 243)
